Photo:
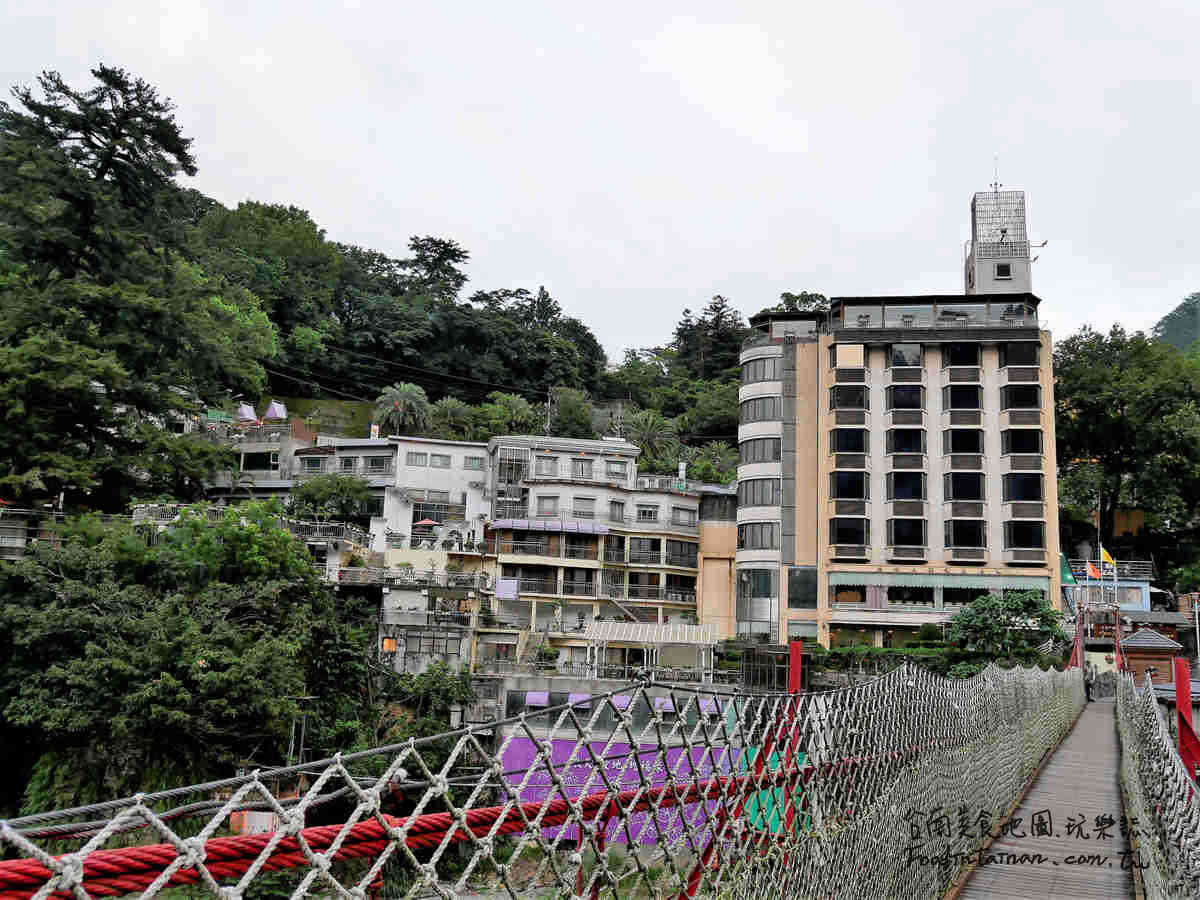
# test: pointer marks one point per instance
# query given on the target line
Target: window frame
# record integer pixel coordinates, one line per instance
(1011, 478)
(948, 441)
(416, 458)
(641, 508)
(761, 409)
(777, 443)
(542, 463)
(1006, 442)
(950, 493)
(891, 531)
(766, 535)
(1006, 351)
(467, 460)
(948, 396)
(863, 479)
(835, 432)
(948, 362)
(890, 485)
(761, 368)
(837, 522)
(892, 389)
(449, 460)
(751, 491)
(890, 441)
(1012, 525)
(952, 525)
(540, 508)
(891, 356)
(1008, 390)
(836, 393)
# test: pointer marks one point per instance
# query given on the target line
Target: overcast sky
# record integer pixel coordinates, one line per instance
(636, 159)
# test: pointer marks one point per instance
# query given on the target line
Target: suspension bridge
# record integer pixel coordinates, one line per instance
(906, 786)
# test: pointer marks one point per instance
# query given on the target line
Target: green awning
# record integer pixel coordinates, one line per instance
(920, 579)
(1067, 576)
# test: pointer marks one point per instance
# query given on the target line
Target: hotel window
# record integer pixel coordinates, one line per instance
(906, 532)
(758, 536)
(312, 463)
(416, 459)
(850, 532)
(374, 507)
(380, 463)
(581, 469)
(584, 507)
(646, 513)
(962, 396)
(546, 465)
(904, 355)
(802, 588)
(1003, 271)
(1021, 396)
(962, 440)
(849, 396)
(910, 596)
(849, 440)
(1021, 440)
(1023, 488)
(906, 485)
(849, 486)
(760, 450)
(847, 356)
(759, 492)
(966, 355)
(438, 496)
(473, 462)
(547, 506)
(439, 461)
(905, 396)
(616, 511)
(906, 440)
(963, 485)
(765, 369)
(348, 463)
(617, 469)
(1024, 535)
(1021, 353)
(966, 533)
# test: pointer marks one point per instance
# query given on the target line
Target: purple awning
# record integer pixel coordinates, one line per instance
(584, 700)
(537, 698)
(275, 410)
(506, 588)
(621, 701)
(246, 413)
(664, 704)
(573, 526)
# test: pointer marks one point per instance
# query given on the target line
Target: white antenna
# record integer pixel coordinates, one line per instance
(996, 185)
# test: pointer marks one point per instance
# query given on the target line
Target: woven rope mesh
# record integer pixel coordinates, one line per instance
(654, 790)
(1163, 812)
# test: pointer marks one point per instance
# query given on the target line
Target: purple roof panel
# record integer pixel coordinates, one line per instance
(584, 700)
(537, 698)
(621, 701)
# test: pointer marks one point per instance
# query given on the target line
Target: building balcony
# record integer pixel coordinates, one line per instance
(1028, 556)
(850, 552)
(967, 554)
(962, 416)
(1022, 462)
(682, 560)
(328, 532)
(407, 577)
(614, 555)
(914, 509)
(644, 592)
(1011, 417)
(1019, 375)
(580, 589)
(905, 461)
(965, 462)
(1128, 569)
(634, 524)
(1023, 509)
(669, 484)
(576, 552)
(905, 417)
(961, 375)
(893, 614)
(548, 586)
(645, 557)
(680, 597)
(851, 375)
(906, 553)
(904, 375)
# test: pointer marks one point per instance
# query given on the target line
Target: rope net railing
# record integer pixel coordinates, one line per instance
(653, 790)
(1161, 805)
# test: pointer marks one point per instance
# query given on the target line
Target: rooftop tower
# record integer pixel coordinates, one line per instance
(997, 259)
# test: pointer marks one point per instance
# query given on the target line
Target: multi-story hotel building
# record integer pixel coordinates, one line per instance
(897, 453)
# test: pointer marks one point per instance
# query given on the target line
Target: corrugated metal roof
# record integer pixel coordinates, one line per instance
(1156, 616)
(1149, 639)
(571, 526)
(652, 633)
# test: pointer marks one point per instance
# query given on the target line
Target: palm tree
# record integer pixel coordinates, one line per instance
(450, 419)
(654, 433)
(402, 408)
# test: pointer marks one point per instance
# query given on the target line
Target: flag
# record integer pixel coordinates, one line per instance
(1105, 557)
(1092, 571)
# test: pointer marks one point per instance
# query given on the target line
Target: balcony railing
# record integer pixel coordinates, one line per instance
(614, 554)
(537, 586)
(403, 576)
(631, 523)
(322, 532)
(644, 557)
(162, 513)
(644, 592)
(1132, 569)
(579, 588)
(526, 548)
(577, 552)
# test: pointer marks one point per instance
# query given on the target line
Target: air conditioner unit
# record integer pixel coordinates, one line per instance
(476, 485)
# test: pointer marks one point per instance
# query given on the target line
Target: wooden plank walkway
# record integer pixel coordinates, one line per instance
(1080, 779)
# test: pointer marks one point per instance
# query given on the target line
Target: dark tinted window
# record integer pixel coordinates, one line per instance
(966, 533)
(760, 409)
(1021, 440)
(758, 492)
(963, 396)
(1027, 535)
(906, 440)
(964, 440)
(849, 531)
(906, 485)
(1023, 488)
(906, 396)
(849, 440)
(758, 536)
(964, 486)
(1020, 396)
(802, 587)
(849, 485)
(848, 396)
(1019, 354)
(766, 369)
(906, 532)
(960, 355)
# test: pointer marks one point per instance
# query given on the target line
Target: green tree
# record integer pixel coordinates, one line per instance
(330, 496)
(709, 346)
(1181, 326)
(716, 463)
(655, 435)
(402, 409)
(127, 666)
(804, 301)
(1127, 415)
(1010, 625)
(450, 419)
(571, 414)
(508, 414)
